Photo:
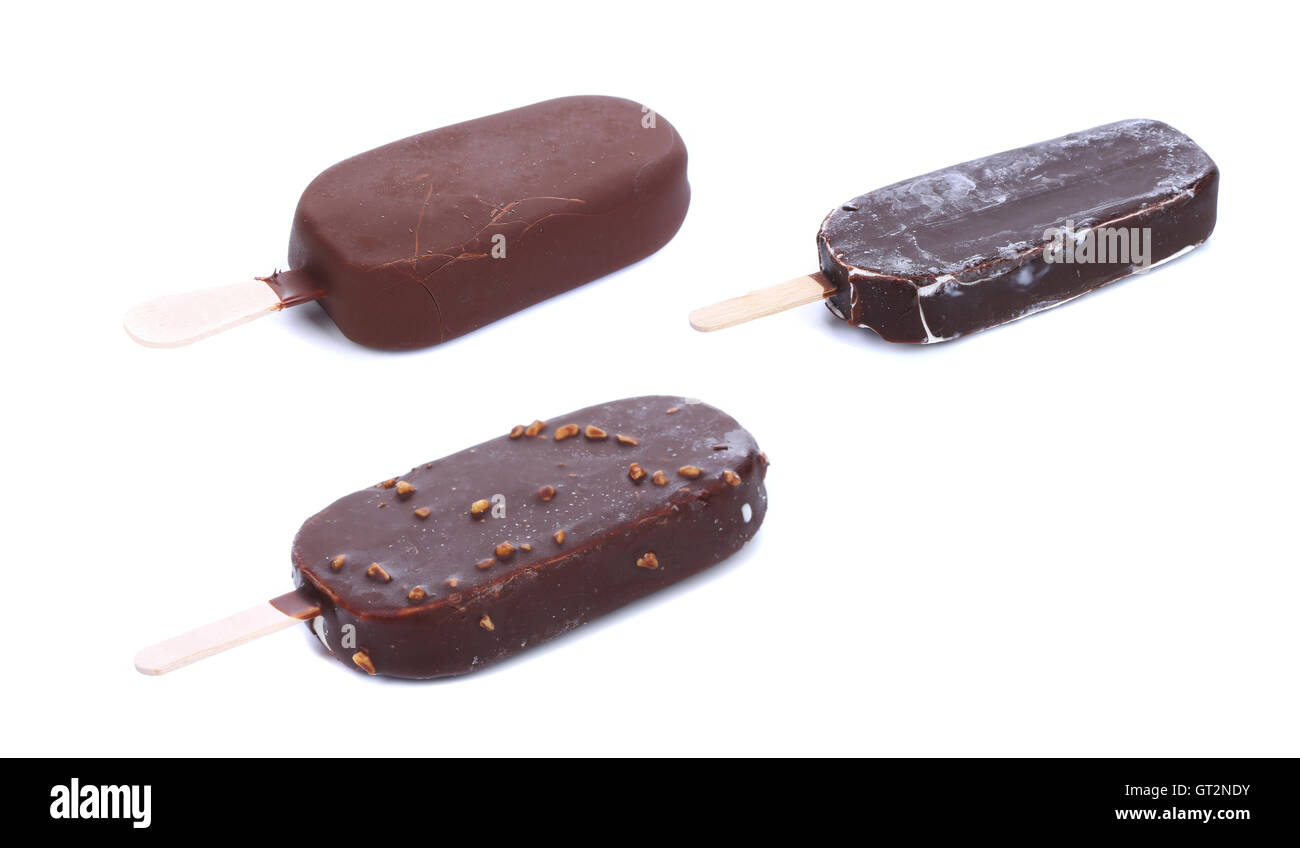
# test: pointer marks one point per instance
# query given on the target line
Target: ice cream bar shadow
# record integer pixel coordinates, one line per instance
(439, 234)
(996, 239)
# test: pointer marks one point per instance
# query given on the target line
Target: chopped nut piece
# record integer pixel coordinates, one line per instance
(535, 428)
(516, 431)
(417, 594)
(452, 582)
(648, 560)
(338, 561)
(504, 550)
(558, 537)
(480, 508)
(626, 440)
(635, 472)
(659, 478)
(422, 512)
(376, 572)
(674, 410)
(689, 471)
(595, 433)
(362, 659)
(485, 563)
(525, 547)
(546, 493)
(388, 484)
(486, 623)
(383, 504)
(732, 478)
(566, 432)
(404, 489)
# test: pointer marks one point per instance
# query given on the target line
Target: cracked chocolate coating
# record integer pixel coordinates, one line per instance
(397, 242)
(961, 249)
(623, 539)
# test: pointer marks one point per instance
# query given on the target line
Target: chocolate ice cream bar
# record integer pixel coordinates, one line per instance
(995, 239)
(436, 235)
(477, 556)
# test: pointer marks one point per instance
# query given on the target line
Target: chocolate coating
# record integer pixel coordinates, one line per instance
(962, 249)
(492, 585)
(430, 237)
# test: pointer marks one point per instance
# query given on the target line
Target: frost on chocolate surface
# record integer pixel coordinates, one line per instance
(984, 217)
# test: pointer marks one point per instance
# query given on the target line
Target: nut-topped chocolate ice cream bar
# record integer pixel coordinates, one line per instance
(472, 558)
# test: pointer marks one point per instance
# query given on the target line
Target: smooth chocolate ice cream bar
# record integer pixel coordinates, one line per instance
(995, 239)
(436, 235)
(472, 558)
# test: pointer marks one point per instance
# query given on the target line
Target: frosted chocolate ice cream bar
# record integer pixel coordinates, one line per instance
(988, 241)
(470, 559)
(436, 235)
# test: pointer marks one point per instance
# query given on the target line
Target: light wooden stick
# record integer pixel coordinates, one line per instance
(809, 288)
(268, 617)
(180, 319)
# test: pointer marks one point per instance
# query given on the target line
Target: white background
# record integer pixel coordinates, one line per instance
(1074, 535)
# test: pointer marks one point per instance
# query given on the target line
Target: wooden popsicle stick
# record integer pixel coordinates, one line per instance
(180, 319)
(276, 614)
(809, 288)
